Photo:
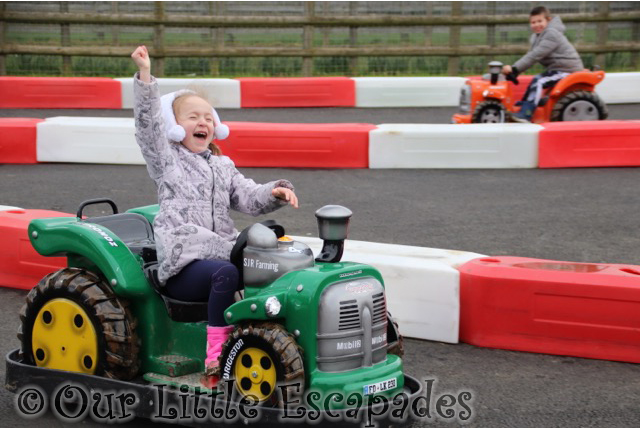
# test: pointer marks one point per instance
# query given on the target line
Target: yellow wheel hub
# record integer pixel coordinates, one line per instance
(64, 338)
(255, 374)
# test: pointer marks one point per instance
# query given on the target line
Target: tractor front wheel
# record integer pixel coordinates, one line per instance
(490, 111)
(260, 357)
(73, 321)
(579, 105)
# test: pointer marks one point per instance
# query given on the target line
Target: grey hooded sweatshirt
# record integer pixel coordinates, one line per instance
(551, 49)
(195, 191)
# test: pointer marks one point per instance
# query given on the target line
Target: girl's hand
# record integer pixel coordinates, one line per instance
(506, 69)
(286, 195)
(141, 57)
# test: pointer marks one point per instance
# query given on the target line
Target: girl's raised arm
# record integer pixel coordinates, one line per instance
(147, 113)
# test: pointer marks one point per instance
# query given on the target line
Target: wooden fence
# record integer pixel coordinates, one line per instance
(310, 21)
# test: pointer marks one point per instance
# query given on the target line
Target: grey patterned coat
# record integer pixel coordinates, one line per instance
(195, 191)
(551, 49)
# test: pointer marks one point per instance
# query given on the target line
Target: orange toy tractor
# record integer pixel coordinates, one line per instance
(491, 99)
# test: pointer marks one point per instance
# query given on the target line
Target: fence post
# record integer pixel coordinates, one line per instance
(216, 8)
(453, 68)
(428, 30)
(325, 30)
(602, 33)
(158, 41)
(491, 28)
(3, 36)
(307, 60)
(581, 27)
(115, 30)
(635, 35)
(353, 40)
(65, 40)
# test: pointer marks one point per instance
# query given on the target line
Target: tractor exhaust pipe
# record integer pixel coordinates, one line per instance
(333, 227)
(495, 68)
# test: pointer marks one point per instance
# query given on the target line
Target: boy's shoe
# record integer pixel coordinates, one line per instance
(525, 114)
(517, 119)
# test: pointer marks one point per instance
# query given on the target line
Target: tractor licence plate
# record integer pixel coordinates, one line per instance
(374, 388)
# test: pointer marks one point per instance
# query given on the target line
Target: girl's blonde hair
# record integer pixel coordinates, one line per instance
(177, 102)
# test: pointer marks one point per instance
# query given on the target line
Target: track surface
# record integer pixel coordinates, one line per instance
(585, 215)
(314, 115)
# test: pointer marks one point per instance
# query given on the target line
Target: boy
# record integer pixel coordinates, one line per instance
(549, 47)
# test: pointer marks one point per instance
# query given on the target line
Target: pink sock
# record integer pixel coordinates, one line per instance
(216, 336)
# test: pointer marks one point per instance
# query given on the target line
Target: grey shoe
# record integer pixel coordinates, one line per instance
(527, 108)
(517, 119)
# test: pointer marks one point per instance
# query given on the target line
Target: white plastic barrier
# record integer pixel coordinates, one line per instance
(88, 140)
(504, 145)
(408, 91)
(222, 93)
(620, 88)
(8, 208)
(422, 284)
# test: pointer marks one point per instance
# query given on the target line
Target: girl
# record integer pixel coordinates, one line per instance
(196, 188)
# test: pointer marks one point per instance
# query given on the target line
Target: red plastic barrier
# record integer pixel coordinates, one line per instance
(297, 92)
(589, 144)
(563, 308)
(298, 145)
(60, 92)
(18, 140)
(20, 265)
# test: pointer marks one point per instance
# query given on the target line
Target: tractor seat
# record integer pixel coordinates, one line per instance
(132, 229)
(178, 310)
(136, 233)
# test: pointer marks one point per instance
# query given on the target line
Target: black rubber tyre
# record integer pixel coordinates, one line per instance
(579, 105)
(490, 111)
(269, 354)
(395, 342)
(93, 304)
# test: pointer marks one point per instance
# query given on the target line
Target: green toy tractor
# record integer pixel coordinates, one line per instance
(316, 324)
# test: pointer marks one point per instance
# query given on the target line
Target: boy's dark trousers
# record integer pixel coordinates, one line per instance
(547, 79)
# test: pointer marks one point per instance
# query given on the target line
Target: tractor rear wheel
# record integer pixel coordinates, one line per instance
(73, 321)
(490, 111)
(258, 357)
(579, 105)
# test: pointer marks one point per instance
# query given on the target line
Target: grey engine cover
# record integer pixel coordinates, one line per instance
(352, 325)
(266, 259)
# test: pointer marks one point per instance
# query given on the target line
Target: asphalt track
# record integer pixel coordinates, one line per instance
(584, 215)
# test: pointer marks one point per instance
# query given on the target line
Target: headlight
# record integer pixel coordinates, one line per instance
(465, 99)
(272, 306)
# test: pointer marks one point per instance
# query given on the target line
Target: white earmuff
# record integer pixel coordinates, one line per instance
(176, 132)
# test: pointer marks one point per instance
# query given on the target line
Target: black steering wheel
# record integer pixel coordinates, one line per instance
(241, 243)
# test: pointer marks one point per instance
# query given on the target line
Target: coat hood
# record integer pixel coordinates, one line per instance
(556, 24)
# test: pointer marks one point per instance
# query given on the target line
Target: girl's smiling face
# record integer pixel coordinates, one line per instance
(195, 115)
(538, 23)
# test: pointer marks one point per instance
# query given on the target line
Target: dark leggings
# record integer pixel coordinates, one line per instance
(215, 281)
